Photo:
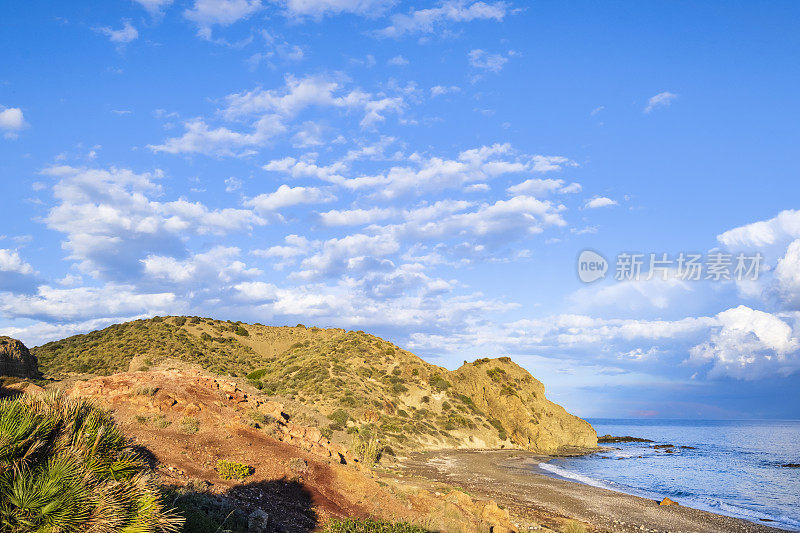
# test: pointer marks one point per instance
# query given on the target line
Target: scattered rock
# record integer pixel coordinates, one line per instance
(16, 360)
(667, 501)
(791, 465)
(257, 522)
(605, 439)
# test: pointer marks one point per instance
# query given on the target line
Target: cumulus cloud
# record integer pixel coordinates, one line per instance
(11, 121)
(543, 187)
(218, 265)
(319, 8)
(16, 275)
(86, 303)
(764, 233)
(431, 19)
(110, 220)
(749, 344)
(154, 7)
(481, 59)
(600, 201)
(660, 100)
(287, 196)
(439, 90)
(355, 217)
(199, 138)
(124, 35)
(208, 13)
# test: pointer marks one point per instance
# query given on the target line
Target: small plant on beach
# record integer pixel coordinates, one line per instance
(242, 331)
(573, 526)
(65, 467)
(369, 525)
(233, 470)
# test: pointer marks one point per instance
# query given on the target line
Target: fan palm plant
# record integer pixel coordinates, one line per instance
(65, 467)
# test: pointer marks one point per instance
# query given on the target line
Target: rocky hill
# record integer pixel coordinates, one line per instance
(351, 385)
(16, 361)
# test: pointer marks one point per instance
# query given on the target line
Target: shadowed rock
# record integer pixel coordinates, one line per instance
(16, 360)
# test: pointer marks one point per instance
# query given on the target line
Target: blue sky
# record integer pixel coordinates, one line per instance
(426, 172)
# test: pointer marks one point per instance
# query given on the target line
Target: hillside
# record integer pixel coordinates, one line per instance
(351, 384)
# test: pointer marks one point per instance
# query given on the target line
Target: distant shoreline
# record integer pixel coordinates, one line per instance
(508, 477)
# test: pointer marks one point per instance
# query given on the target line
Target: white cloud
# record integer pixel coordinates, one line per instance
(217, 265)
(484, 60)
(287, 196)
(86, 303)
(764, 233)
(439, 90)
(10, 261)
(110, 222)
(787, 275)
(660, 100)
(398, 61)
(154, 7)
(319, 8)
(543, 187)
(749, 344)
(201, 139)
(122, 36)
(12, 121)
(355, 217)
(207, 13)
(600, 201)
(320, 91)
(450, 11)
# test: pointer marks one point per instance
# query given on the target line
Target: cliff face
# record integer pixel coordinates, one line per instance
(16, 360)
(508, 393)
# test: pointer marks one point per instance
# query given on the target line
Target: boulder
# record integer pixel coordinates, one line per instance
(667, 501)
(16, 360)
(258, 522)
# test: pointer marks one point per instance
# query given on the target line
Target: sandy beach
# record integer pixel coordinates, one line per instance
(508, 477)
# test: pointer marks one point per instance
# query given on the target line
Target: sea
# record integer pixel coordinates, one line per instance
(730, 467)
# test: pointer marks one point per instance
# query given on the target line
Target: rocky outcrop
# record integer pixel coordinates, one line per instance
(511, 396)
(16, 360)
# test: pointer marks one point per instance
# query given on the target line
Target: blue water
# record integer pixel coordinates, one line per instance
(733, 470)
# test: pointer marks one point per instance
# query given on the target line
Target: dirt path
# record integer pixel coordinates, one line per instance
(507, 477)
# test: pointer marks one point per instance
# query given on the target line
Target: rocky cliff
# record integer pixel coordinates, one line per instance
(347, 383)
(16, 360)
(508, 393)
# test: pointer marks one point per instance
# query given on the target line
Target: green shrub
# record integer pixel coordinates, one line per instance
(366, 448)
(242, 331)
(501, 431)
(438, 383)
(573, 527)
(64, 466)
(233, 470)
(496, 373)
(190, 425)
(180, 320)
(369, 525)
(257, 374)
(339, 417)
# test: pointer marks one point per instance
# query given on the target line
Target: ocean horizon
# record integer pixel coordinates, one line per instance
(729, 467)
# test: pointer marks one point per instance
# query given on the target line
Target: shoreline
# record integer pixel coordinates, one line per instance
(508, 477)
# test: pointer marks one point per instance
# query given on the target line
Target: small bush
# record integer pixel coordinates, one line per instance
(501, 431)
(366, 448)
(242, 331)
(438, 383)
(257, 374)
(369, 525)
(573, 527)
(233, 470)
(496, 373)
(180, 320)
(146, 391)
(190, 425)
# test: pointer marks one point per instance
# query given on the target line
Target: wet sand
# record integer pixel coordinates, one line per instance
(509, 477)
